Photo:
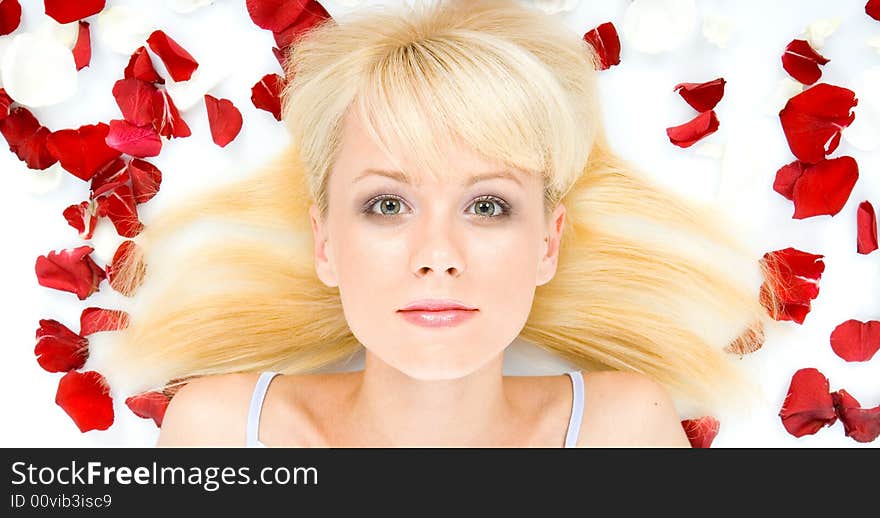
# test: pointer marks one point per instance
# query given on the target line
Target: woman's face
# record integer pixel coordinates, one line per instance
(386, 244)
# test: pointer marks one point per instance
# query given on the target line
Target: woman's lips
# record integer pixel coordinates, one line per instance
(445, 318)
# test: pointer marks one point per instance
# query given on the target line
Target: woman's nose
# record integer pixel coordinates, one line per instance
(437, 247)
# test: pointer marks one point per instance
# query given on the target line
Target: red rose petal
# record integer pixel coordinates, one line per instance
(872, 8)
(83, 217)
(136, 100)
(58, 348)
(797, 275)
(65, 11)
(120, 207)
(312, 14)
(82, 51)
(27, 138)
(86, 399)
(818, 189)
(149, 405)
(10, 16)
(139, 141)
(167, 120)
(276, 15)
(856, 341)
(866, 241)
(695, 129)
(862, 424)
(70, 270)
(140, 66)
(82, 151)
(124, 257)
(802, 62)
(145, 180)
(5, 103)
(606, 43)
(179, 63)
(224, 119)
(94, 320)
(109, 177)
(812, 120)
(702, 96)
(808, 405)
(266, 94)
(701, 431)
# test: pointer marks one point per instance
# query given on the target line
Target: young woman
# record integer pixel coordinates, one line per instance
(448, 188)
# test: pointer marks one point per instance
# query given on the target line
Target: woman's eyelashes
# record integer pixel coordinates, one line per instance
(390, 206)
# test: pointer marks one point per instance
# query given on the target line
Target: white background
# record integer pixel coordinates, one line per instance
(639, 103)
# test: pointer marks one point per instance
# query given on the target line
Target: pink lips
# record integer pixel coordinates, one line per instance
(437, 313)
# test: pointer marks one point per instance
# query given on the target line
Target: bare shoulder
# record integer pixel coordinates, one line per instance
(209, 411)
(629, 409)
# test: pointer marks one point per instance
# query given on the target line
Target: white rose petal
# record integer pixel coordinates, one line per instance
(186, 6)
(864, 132)
(786, 88)
(38, 71)
(717, 30)
(874, 41)
(66, 33)
(349, 3)
(655, 26)
(40, 182)
(555, 6)
(818, 31)
(186, 94)
(124, 28)
(710, 150)
(105, 240)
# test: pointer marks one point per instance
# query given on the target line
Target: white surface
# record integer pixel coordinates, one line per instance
(639, 104)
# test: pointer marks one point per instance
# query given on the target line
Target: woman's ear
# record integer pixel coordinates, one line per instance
(550, 246)
(323, 257)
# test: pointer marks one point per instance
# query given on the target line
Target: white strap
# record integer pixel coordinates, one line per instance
(253, 422)
(577, 408)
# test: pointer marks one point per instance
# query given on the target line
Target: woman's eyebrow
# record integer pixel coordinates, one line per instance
(404, 178)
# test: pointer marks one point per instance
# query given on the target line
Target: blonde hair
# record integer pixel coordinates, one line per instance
(646, 281)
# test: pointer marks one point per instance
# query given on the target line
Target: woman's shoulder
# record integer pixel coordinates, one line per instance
(209, 411)
(628, 409)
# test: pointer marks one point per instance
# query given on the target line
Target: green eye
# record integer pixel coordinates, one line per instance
(390, 206)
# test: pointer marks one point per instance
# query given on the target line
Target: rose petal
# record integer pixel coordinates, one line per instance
(266, 94)
(813, 119)
(224, 119)
(86, 399)
(862, 424)
(655, 26)
(70, 270)
(717, 30)
(167, 120)
(312, 14)
(187, 94)
(10, 16)
(82, 217)
(786, 88)
(606, 43)
(140, 66)
(808, 406)
(872, 8)
(82, 52)
(149, 405)
(65, 11)
(817, 189)
(818, 31)
(136, 100)
(83, 151)
(94, 320)
(866, 241)
(5, 104)
(38, 71)
(27, 138)
(749, 341)
(701, 431)
(145, 179)
(123, 28)
(120, 207)
(685, 135)
(856, 341)
(802, 62)
(276, 15)
(797, 274)
(58, 348)
(127, 270)
(108, 178)
(702, 96)
(178, 62)
(139, 141)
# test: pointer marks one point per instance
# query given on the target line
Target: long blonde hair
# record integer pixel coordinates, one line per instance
(646, 281)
